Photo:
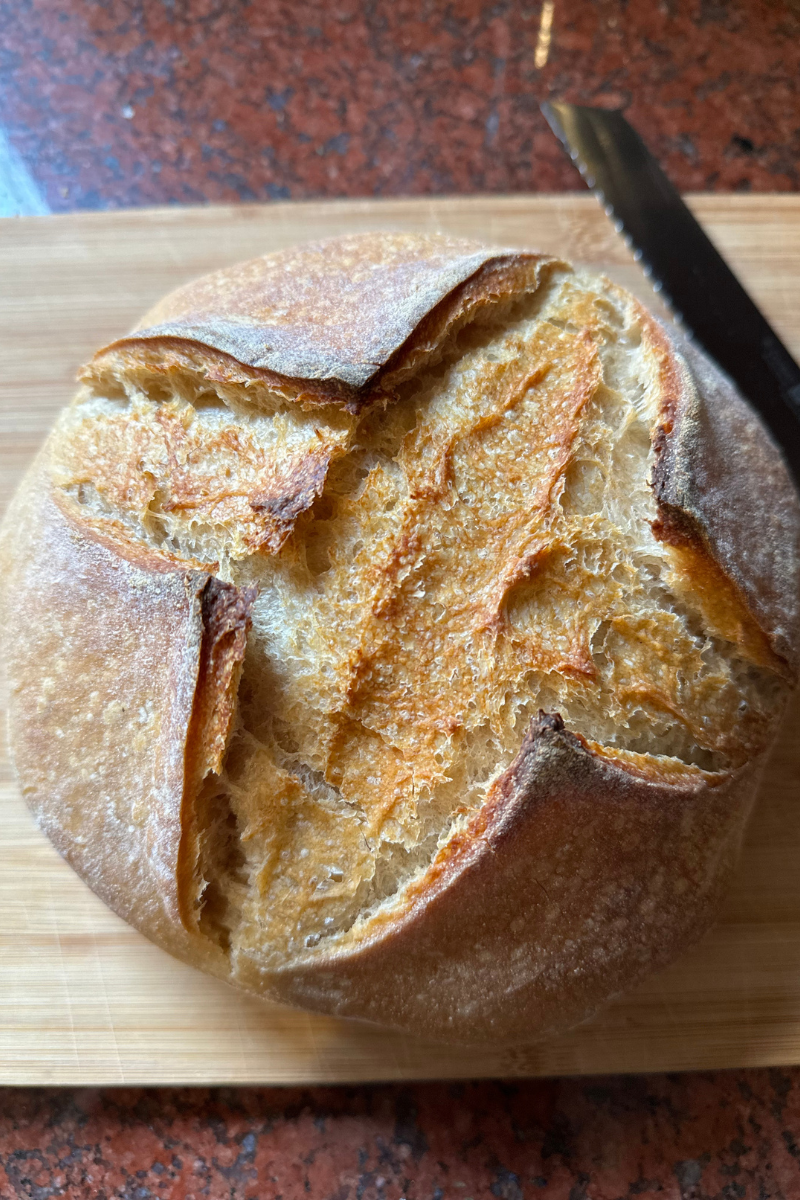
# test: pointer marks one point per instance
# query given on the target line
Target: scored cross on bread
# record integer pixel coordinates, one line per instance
(401, 625)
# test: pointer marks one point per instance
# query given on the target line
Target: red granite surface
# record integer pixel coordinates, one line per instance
(127, 102)
(704, 1137)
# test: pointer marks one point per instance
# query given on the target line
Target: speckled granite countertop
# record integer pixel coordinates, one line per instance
(130, 102)
(703, 1137)
(138, 102)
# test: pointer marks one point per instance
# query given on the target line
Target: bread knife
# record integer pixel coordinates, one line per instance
(683, 264)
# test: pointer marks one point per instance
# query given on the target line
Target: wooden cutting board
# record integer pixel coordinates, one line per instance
(85, 999)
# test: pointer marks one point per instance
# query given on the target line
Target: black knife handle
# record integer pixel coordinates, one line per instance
(696, 280)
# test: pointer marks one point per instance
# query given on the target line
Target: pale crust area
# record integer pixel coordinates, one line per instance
(234, 485)
(346, 597)
(321, 325)
(573, 881)
(719, 484)
(105, 750)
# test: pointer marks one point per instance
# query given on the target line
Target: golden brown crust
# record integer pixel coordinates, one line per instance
(726, 495)
(573, 881)
(332, 320)
(169, 463)
(115, 666)
(587, 862)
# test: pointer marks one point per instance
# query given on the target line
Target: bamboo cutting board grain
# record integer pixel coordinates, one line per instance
(85, 999)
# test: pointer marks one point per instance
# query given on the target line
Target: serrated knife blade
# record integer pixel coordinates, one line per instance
(690, 272)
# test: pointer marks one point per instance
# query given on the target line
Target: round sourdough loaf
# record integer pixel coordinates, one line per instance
(396, 627)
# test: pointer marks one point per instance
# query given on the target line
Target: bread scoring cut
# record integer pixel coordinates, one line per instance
(481, 548)
(450, 534)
